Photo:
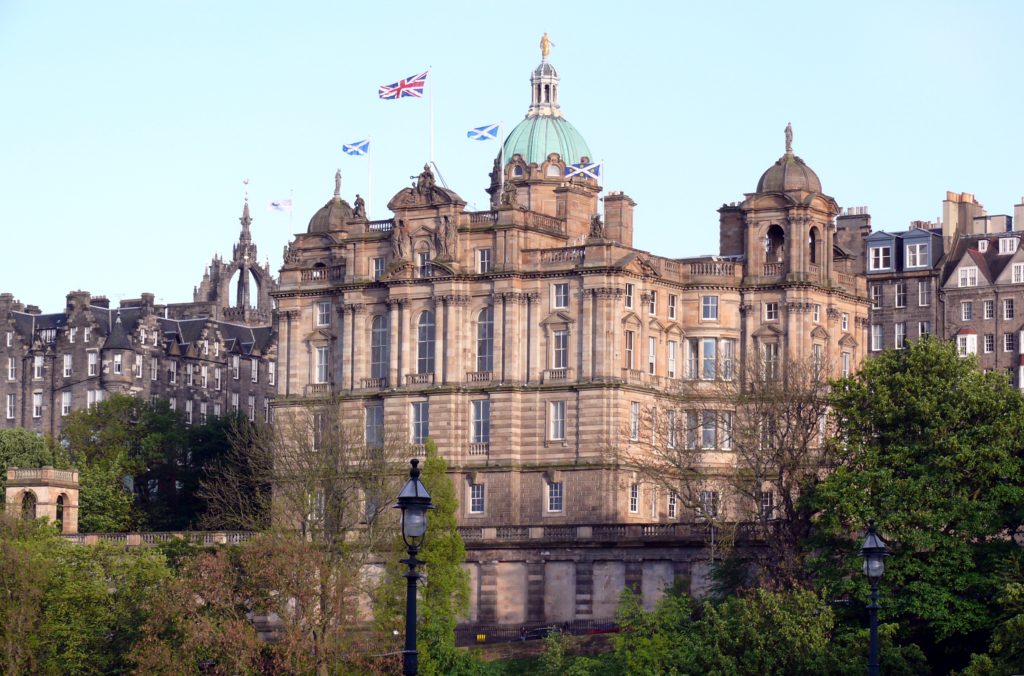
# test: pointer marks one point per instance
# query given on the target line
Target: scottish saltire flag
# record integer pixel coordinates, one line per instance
(359, 148)
(410, 86)
(485, 133)
(280, 205)
(591, 170)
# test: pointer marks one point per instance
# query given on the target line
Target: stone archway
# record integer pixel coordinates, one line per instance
(29, 502)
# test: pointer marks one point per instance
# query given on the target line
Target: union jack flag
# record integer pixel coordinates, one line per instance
(410, 86)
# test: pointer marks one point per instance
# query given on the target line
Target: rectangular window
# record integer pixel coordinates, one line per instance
(876, 296)
(188, 411)
(845, 362)
(876, 337)
(12, 368)
(652, 355)
(65, 403)
(1009, 342)
(652, 303)
(989, 343)
(708, 358)
(816, 359)
(11, 406)
(968, 276)
(476, 497)
(118, 366)
(766, 504)
(673, 505)
(901, 294)
(634, 420)
(771, 312)
(235, 361)
(323, 313)
(673, 348)
(846, 321)
(558, 421)
(93, 397)
(966, 311)
(708, 505)
(881, 258)
(989, 309)
(691, 429)
(374, 424)
(1018, 274)
(189, 374)
(67, 366)
(560, 296)
(377, 265)
(202, 413)
(37, 405)
(924, 293)
(137, 366)
(251, 407)
(94, 364)
(901, 335)
(555, 496)
(234, 402)
(816, 313)
(271, 373)
(673, 431)
(483, 261)
(154, 368)
(725, 441)
(37, 367)
(917, 255)
(692, 358)
(420, 421)
(560, 358)
(629, 349)
(1008, 307)
(423, 264)
(86, 334)
(216, 378)
(323, 361)
(770, 359)
(630, 290)
(10, 337)
(634, 498)
(254, 370)
(708, 430)
(216, 408)
(709, 308)
(672, 300)
(1007, 245)
(924, 329)
(266, 410)
(204, 376)
(481, 421)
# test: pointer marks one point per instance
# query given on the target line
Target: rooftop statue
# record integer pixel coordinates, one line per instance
(789, 137)
(545, 46)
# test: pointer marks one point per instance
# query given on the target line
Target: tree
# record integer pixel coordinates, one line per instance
(743, 450)
(24, 449)
(929, 447)
(445, 596)
(25, 561)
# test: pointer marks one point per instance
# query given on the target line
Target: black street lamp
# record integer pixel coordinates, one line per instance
(874, 553)
(414, 501)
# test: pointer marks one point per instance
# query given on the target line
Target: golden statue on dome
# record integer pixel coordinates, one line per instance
(545, 46)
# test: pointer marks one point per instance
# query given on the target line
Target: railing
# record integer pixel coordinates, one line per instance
(42, 473)
(845, 279)
(384, 225)
(483, 217)
(814, 269)
(318, 389)
(556, 375)
(512, 532)
(419, 379)
(692, 532)
(573, 254)
(713, 269)
(373, 383)
(322, 274)
(479, 376)
(153, 539)
(772, 269)
(633, 376)
(479, 447)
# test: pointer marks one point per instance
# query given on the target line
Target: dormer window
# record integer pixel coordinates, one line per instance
(1007, 245)
(917, 255)
(983, 245)
(881, 258)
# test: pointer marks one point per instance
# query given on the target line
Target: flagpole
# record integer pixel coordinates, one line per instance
(291, 208)
(369, 177)
(430, 106)
(501, 161)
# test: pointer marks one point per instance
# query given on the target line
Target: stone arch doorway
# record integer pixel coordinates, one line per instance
(29, 502)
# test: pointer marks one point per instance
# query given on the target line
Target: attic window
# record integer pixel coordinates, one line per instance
(517, 171)
(554, 170)
(983, 245)
(1007, 245)
(969, 276)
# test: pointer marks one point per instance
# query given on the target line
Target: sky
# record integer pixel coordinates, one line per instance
(127, 128)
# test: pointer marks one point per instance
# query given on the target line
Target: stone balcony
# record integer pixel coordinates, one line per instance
(481, 537)
(319, 390)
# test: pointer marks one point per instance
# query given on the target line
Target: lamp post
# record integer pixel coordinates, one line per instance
(414, 501)
(874, 553)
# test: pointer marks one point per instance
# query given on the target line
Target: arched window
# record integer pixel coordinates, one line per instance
(485, 340)
(774, 245)
(60, 512)
(517, 170)
(28, 505)
(554, 170)
(379, 347)
(425, 343)
(812, 243)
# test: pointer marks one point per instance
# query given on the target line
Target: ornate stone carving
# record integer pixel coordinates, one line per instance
(596, 227)
(359, 210)
(399, 240)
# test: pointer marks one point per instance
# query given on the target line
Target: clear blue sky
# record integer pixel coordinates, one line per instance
(127, 127)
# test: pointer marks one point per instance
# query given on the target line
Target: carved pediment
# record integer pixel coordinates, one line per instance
(819, 333)
(847, 341)
(558, 317)
(767, 331)
(632, 318)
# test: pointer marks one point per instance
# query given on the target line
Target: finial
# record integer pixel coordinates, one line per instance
(789, 138)
(245, 190)
(337, 183)
(415, 471)
(545, 46)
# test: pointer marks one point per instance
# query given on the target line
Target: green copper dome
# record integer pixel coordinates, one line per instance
(536, 137)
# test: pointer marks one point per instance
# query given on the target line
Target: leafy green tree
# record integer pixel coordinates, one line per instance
(21, 448)
(25, 562)
(929, 448)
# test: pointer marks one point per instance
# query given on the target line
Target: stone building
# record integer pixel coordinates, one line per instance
(208, 357)
(527, 338)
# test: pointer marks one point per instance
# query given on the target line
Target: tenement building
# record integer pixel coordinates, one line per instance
(207, 358)
(528, 338)
(961, 279)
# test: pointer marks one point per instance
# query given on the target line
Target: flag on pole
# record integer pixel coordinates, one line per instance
(485, 133)
(359, 148)
(280, 205)
(410, 86)
(589, 170)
